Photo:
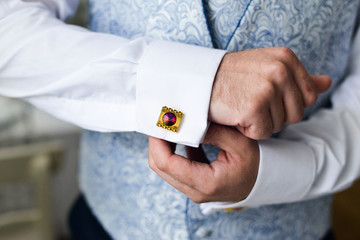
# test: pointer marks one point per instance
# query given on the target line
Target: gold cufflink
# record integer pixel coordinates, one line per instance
(169, 119)
(238, 209)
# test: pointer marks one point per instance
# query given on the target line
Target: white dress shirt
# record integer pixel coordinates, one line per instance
(107, 83)
(100, 81)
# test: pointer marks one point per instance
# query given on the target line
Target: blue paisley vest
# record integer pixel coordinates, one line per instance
(129, 199)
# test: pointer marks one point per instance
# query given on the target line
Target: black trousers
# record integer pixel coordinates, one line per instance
(85, 226)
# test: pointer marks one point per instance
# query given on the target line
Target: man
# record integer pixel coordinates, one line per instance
(101, 82)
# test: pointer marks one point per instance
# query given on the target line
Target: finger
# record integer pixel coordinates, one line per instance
(322, 82)
(294, 106)
(305, 84)
(277, 113)
(300, 75)
(197, 154)
(190, 173)
(190, 192)
(261, 127)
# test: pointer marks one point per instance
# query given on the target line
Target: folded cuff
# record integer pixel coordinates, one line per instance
(282, 177)
(180, 77)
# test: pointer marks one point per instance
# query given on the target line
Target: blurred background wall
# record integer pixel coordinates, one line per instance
(38, 169)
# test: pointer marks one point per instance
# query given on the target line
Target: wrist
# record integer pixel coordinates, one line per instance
(215, 105)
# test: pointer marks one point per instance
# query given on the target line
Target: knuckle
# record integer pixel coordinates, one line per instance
(253, 132)
(213, 187)
(285, 53)
(269, 90)
(210, 190)
(282, 78)
(261, 130)
(311, 98)
(278, 72)
(151, 164)
(297, 116)
(198, 199)
(255, 135)
(162, 166)
(265, 93)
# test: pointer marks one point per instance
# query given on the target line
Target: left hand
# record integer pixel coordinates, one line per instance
(230, 177)
(259, 90)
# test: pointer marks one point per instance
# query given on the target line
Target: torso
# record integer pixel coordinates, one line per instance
(133, 202)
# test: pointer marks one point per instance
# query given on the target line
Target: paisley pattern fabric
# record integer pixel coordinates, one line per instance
(319, 33)
(174, 20)
(223, 19)
(129, 199)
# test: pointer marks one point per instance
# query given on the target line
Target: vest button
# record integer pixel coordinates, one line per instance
(203, 232)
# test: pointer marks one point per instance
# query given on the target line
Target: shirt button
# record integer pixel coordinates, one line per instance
(203, 232)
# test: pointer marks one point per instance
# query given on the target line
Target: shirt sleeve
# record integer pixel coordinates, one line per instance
(315, 157)
(100, 81)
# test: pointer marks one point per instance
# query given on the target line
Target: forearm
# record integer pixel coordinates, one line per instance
(93, 79)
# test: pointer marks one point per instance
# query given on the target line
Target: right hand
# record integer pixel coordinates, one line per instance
(260, 90)
(230, 177)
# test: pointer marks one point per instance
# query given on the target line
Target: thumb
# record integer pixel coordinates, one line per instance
(322, 82)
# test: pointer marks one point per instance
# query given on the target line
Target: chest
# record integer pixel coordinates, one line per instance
(218, 21)
(318, 31)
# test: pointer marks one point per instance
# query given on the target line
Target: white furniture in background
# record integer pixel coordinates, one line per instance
(27, 131)
(30, 166)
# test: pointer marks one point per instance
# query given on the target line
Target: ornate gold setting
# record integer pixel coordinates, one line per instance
(178, 115)
(229, 210)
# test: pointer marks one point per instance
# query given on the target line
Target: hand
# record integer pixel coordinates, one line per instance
(260, 90)
(230, 177)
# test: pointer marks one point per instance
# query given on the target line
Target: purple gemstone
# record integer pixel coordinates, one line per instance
(169, 119)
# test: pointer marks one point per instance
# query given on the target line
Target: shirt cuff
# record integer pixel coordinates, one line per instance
(180, 77)
(282, 177)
